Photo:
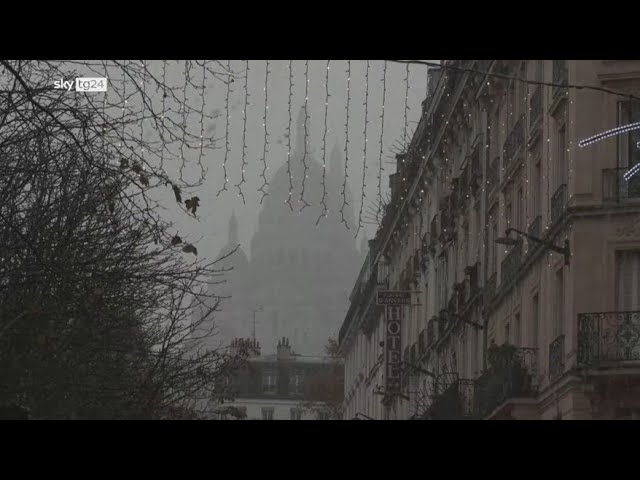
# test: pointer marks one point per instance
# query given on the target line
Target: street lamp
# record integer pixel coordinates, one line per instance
(506, 240)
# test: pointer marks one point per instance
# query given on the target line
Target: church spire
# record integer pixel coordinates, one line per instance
(233, 229)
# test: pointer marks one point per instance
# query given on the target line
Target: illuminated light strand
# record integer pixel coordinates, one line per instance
(384, 94)
(164, 112)
(265, 144)
(288, 200)
(203, 171)
(144, 105)
(226, 130)
(346, 148)
(124, 101)
(406, 105)
(244, 131)
(306, 117)
(631, 172)
(183, 107)
(324, 147)
(609, 133)
(363, 194)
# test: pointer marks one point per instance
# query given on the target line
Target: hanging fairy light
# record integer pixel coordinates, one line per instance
(406, 105)
(288, 200)
(346, 148)
(183, 108)
(163, 113)
(202, 117)
(265, 147)
(384, 94)
(306, 117)
(226, 130)
(363, 194)
(324, 147)
(244, 131)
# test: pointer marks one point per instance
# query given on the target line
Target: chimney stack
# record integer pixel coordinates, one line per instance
(284, 349)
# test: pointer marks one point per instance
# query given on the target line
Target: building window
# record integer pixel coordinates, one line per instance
(520, 209)
(516, 332)
(267, 413)
(296, 414)
(295, 383)
(494, 247)
(628, 280)
(507, 333)
(562, 156)
(559, 303)
(269, 382)
(537, 187)
(629, 142)
(535, 313)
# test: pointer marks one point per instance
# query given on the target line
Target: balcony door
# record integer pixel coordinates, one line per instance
(629, 148)
(628, 280)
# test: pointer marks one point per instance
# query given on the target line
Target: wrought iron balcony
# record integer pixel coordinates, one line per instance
(560, 76)
(454, 400)
(490, 288)
(514, 142)
(512, 373)
(511, 264)
(534, 231)
(608, 338)
(535, 106)
(556, 357)
(558, 202)
(616, 188)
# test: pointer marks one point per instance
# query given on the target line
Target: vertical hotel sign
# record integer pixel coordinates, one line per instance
(393, 302)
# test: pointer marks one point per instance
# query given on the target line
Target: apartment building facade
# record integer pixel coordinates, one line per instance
(522, 249)
(281, 386)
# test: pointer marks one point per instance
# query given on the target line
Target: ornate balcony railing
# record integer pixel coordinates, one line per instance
(455, 400)
(608, 337)
(556, 357)
(616, 188)
(534, 231)
(560, 76)
(558, 202)
(511, 264)
(514, 142)
(490, 288)
(512, 373)
(535, 105)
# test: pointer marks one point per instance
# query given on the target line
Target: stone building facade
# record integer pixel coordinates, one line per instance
(523, 249)
(282, 386)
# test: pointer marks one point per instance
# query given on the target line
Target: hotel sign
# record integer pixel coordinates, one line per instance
(392, 343)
